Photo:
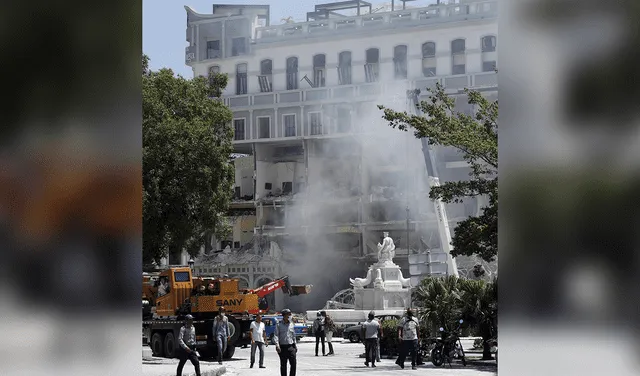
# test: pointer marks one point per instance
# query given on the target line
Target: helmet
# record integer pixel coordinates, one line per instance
(188, 317)
(286, 311)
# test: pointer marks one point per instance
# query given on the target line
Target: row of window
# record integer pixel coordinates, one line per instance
(371, 67)
(290, 125)
(238, 270)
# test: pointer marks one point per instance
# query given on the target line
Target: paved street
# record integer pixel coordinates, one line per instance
(345, 362)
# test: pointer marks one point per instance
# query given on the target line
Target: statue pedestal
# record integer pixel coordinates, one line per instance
(386, 291)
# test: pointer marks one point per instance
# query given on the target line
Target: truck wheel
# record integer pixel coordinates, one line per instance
(229, 353)
(157, 348)
(170, 345)
(234, 330)
(354, 337)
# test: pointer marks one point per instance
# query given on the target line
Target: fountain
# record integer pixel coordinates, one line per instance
(383, 290)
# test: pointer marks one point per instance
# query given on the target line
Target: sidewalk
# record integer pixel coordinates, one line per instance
(167, 367)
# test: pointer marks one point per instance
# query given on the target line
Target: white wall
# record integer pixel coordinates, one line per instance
(276, 174)
(244, 175)
(386, 40)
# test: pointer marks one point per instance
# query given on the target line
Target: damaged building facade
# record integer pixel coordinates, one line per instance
(322, 175)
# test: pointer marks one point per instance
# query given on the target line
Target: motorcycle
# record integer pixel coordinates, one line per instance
(448, 347)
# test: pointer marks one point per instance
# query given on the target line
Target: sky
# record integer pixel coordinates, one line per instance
(164, 24)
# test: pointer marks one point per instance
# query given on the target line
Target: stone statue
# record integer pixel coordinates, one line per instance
(361, 282)
(386, 250)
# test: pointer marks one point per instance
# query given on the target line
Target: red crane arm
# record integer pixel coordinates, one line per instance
(270, 287)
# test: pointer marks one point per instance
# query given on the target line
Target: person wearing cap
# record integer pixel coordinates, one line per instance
(408, 331)
(285, 340)
(329, 328)
(370, 331)
(318, 330)
(187, 342)
(221, 332)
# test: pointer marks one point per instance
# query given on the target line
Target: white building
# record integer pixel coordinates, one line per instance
(325, 174)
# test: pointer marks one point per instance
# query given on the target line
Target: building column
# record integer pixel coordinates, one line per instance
(275, 123)
(301, 122)
(250, 124)
(198, 47)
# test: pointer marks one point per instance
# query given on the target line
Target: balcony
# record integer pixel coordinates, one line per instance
(433, 14)
(358, 92)
(189, 55)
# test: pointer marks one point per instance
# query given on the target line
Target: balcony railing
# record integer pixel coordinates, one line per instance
(431, 14)
(363, 91)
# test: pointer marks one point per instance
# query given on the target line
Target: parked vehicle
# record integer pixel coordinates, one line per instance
(270, 322)
(353, 333)
(448, 347)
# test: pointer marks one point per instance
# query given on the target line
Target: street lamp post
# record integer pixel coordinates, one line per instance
(191, 263)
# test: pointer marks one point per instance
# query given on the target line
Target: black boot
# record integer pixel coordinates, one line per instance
(330, 349)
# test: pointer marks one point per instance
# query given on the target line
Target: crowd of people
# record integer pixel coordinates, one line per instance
(285, 340)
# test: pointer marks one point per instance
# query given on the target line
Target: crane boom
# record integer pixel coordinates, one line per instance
(434, 181)
(280, 283)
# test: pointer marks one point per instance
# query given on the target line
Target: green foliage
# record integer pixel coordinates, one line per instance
(444, 301)
(187, 175)
(390, 341)
(476, 137)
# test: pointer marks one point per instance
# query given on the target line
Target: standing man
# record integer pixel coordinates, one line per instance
(370, 331)
(285, 339)
(187, 342)
(318, 330)
(258, 339)
(221, 332)
(329, 328)
(408, 329)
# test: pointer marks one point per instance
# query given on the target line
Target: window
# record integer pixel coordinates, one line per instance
(344, 68)
(488, 53)
(489, 44)
(344, 120)
(241, 79)
(458, 56)
(264, 127)
(238, 46)
(213, 49)
(266, 75)
(429, 59)
(319, 70)
(372, 65)
(287, 187)
(400, 62)
(292, 73)
(236, 245)
(238, 129)
(315, 119)
(289, 121)
(181, 276)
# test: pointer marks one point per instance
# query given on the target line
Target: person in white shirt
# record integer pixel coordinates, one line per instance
(409, 332)
(258, 339)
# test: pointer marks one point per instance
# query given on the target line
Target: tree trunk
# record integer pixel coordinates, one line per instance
(175, 254)
(486, 349)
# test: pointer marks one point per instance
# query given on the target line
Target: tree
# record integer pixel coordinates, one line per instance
(439, 303)
(480, 309)
(188, 177)
(442, 302)
(476, 138)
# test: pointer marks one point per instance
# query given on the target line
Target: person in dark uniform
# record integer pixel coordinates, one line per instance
(285, 340)
(318, 330)
(187, 351)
